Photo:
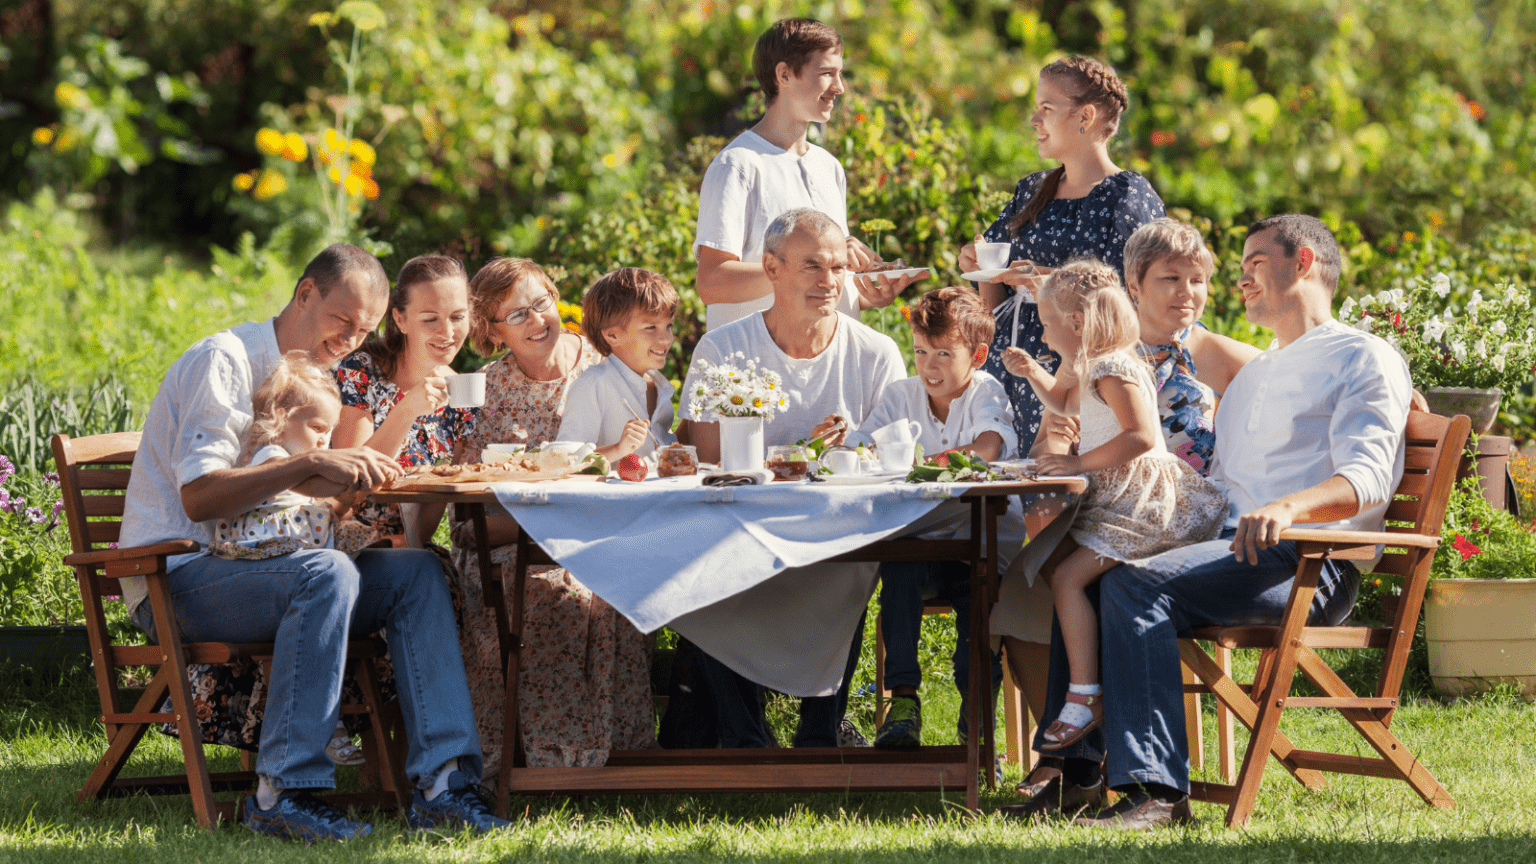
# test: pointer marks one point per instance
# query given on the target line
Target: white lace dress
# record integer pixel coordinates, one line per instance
(1143, 508)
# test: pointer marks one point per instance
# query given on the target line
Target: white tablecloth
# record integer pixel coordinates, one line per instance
(712, 563)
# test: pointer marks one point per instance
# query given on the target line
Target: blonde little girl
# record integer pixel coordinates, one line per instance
(1141, 501)
(294, 411)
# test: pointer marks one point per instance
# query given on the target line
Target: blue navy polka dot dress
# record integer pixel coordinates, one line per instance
(1097, 224)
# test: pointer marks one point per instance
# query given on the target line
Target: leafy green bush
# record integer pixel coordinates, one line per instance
(1479, 541)
(31, 414)
(35, 586)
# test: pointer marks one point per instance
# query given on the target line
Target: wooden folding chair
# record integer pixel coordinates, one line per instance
(1434, 446)
(93, 476)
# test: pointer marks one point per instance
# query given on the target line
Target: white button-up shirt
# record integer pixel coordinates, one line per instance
(983, 407)
(1333, 402)
(594, 406)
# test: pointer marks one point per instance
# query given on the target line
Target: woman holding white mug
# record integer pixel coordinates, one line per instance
(394, 390)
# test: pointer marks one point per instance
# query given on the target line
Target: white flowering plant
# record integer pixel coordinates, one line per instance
(735, 387)
(1487, 341)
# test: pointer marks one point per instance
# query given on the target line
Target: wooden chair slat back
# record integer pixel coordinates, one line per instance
(95, 464)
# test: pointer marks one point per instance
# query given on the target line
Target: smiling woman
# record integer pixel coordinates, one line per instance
(393, 390)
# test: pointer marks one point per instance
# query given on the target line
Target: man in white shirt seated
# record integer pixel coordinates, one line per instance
(187, 476)
(1310, 429)
(834, 371)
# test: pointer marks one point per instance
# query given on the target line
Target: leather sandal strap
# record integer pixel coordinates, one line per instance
(1087, 699)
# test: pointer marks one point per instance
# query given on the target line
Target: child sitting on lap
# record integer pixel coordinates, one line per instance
(627, 316)
(1141, 501)
(958, 407)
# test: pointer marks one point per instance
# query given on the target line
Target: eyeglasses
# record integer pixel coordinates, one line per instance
(518, 316)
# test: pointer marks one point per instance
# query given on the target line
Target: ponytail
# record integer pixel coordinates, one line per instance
(1045, 193)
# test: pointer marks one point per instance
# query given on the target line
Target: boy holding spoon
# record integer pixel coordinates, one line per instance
(627, 316)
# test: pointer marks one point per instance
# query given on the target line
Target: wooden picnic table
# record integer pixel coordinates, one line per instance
(819, 769)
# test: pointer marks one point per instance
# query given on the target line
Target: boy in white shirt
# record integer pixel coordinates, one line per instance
(773, 168)
(957, 407)
(627, 316)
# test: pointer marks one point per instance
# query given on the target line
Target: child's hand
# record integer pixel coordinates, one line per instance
(633, 437)
(1018, 362)
(1058, 464)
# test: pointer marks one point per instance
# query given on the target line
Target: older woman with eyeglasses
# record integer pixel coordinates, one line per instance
(585, 683)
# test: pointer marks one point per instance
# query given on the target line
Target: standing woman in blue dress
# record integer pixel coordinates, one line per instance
(1084, 206)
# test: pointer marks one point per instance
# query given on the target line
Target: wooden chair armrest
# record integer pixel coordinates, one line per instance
(105, 556)
(1359, 538)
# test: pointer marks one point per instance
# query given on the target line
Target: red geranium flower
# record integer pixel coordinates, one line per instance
(1465, 547)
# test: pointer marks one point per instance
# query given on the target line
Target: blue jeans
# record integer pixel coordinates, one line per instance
(904, 585)
(1142, 610)
(739, 705)
(307, 603)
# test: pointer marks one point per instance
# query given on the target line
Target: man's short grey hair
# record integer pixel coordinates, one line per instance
(780, 229)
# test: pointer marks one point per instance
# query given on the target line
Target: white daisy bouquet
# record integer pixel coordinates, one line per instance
(735, 387)
(1481, 341)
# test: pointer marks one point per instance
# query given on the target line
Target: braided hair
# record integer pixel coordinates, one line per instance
(1086, 81)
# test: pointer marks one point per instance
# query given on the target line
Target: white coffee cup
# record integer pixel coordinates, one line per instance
(898, 455)
(992, 256)
(466, 390)
(841, 461)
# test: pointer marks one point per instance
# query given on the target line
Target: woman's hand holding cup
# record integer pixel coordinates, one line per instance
(428, 397)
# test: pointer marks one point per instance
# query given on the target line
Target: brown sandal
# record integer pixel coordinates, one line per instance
(1060, 735)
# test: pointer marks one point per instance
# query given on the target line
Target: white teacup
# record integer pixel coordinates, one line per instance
(992, 256)
(466, 390)
(898, 455)
(841, 461)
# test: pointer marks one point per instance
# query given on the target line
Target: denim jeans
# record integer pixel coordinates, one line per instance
(904, 585)
(1142, 610)
(739, 705)
(307, 603)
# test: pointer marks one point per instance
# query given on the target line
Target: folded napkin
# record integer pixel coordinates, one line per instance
(750, 477)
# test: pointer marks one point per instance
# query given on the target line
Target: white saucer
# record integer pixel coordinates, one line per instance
(860, 479)
(983, 275)
(895, 274)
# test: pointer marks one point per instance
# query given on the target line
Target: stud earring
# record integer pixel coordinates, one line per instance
(1082, 130)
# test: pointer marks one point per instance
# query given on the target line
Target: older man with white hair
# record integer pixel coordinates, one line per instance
(834, 370)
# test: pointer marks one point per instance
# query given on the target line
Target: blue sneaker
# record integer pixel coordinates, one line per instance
(298, 815)
(463, 803)
(903, 727)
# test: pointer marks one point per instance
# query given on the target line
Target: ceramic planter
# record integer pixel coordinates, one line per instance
(1481, 633)
(741, 443)
(1481, 404)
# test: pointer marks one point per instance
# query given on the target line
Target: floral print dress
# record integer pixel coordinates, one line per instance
(1097, 224)
(432, 436)
(585, 687)
(1186, 407)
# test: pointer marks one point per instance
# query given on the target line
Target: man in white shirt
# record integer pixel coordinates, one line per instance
(186, 477)
(772, 168)
(834, 371)
(1309, 433)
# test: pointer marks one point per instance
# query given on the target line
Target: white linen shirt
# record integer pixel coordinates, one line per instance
(194, 427)
(846, 379)
(594, 406)
(1333, 402)
(983, 407)
(748, 185)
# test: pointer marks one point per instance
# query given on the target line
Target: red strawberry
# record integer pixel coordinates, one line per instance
(632, 467)
(942, 460)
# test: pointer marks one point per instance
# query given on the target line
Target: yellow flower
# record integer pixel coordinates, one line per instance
(244, 182)
(353, 184)
(42, 136)
(334, 174)
(370, 189)
(269, 141)
(270, 183)
(572, 326)
(294, 148)
(71, 96)
(361, 169)
(335, 142)
(362, 151)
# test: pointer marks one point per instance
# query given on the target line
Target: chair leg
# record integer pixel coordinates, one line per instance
(123, 739)
(1192, 729)
(1226, 760)
(882, 695)
(1016, 723)
(376, 740)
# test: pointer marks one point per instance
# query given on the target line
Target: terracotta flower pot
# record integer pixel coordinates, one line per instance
(1481, 633)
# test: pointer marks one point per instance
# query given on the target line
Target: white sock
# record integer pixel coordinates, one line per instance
(440, 782)
(1075, 714)
(266, 795)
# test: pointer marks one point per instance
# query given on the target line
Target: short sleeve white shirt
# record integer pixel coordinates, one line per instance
(1333, 402)
(983, 407)
(594, 406)
(195, 426)
(846, 379)
(748, 185)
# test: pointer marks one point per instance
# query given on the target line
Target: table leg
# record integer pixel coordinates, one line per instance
(981, 627)
(979, 667)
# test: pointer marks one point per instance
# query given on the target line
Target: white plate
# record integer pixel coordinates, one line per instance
(896, 274)
(860, 479)
(983, 275)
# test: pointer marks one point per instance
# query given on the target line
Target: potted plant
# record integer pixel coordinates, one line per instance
(1480, 610)
(1461, 354)
(37, 592)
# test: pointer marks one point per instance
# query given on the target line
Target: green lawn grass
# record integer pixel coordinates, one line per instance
(1484, 751)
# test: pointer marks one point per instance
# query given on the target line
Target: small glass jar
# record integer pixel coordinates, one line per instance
(677, 460)
(789, 461)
